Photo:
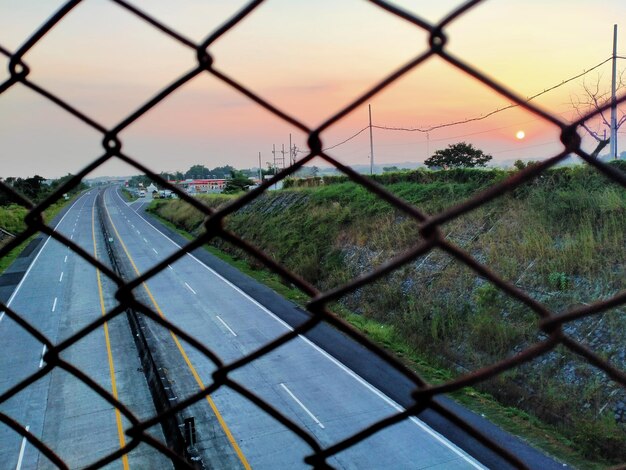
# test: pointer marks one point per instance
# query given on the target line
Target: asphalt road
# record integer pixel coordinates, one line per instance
(301, 380)
(59, 294)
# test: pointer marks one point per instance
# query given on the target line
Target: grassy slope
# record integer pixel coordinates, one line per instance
(552, 238)
(12, 220)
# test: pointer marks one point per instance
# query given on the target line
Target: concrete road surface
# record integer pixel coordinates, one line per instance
(302, 381)
(60, 294)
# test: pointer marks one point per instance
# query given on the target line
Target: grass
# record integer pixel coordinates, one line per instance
(130, 197)
(557, 238)
(12, 219)
(513, 420)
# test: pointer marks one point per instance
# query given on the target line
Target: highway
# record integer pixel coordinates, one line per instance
(301, 380)
(60, 294)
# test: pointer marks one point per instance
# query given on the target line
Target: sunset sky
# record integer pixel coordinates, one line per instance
(310, 59)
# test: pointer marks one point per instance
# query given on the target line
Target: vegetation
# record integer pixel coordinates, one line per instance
(194, 172)
(12, 214)
(560, 238)
(35, 188)
(12, 220)
(238, 182)
(461, 155)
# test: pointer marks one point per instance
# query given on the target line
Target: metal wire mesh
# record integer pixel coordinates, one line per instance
(424, 393)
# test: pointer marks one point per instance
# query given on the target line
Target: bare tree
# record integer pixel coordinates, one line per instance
(591, 101)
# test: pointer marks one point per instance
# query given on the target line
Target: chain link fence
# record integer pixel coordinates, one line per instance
(424, 393)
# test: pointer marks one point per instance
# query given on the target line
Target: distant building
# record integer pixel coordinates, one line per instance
(152, 188)
(200, 186)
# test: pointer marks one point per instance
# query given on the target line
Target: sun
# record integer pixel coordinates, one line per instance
(520, 135)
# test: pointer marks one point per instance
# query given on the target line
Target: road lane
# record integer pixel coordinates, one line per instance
(61, 294)
(338, 399)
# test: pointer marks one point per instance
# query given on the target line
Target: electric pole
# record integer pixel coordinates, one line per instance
(371, 142)
(260, 170)
(283, 153)
(274, 155)
(613, 100)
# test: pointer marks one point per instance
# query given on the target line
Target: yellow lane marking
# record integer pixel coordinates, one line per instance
(199, 381)
(118, 415)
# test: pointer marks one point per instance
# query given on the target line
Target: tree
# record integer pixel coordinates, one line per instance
(222, 172)
(136, 180)
(237, 182)
(520, 165)
(197, 172)
(461, 155)
(64, 179)
(32, 187)
(591, 101)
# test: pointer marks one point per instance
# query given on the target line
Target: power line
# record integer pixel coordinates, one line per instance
(453, 137)
(340, 143)
(495, 111)
(465, 121)
(426, 130)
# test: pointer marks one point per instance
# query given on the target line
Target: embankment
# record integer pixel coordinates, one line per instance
(560, 238)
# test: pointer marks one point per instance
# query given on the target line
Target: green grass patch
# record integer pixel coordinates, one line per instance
(130, 197)
(12, 220)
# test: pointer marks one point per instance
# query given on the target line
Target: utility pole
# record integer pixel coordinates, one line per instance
(427, 145)
(274, 154)
(613, 100)
(283, 153)
(260, 170)
(291, 161)
(371, 142)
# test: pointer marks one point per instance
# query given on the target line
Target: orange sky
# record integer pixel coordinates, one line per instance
(309, 59)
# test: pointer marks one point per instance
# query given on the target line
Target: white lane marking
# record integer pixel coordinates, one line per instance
(434, 434)
(227, 327)
(72, 237)
(43, 353)
(138, 232)
(145, 240)
(313, 417)
(54, 304)
(189, 287)
(19, 285)
(65, 260)
(22, 449)
(132, 225)
(170, 267)
(74, 229)
(155, 251)
(61, 276)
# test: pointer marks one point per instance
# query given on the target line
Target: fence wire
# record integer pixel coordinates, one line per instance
(424, 393)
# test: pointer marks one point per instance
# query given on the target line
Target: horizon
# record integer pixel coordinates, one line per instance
(121, 63)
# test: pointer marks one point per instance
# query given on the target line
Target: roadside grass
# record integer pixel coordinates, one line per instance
(130, 197)
(529, 428)
(12, 255)
(559, 238)
(12, 219)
